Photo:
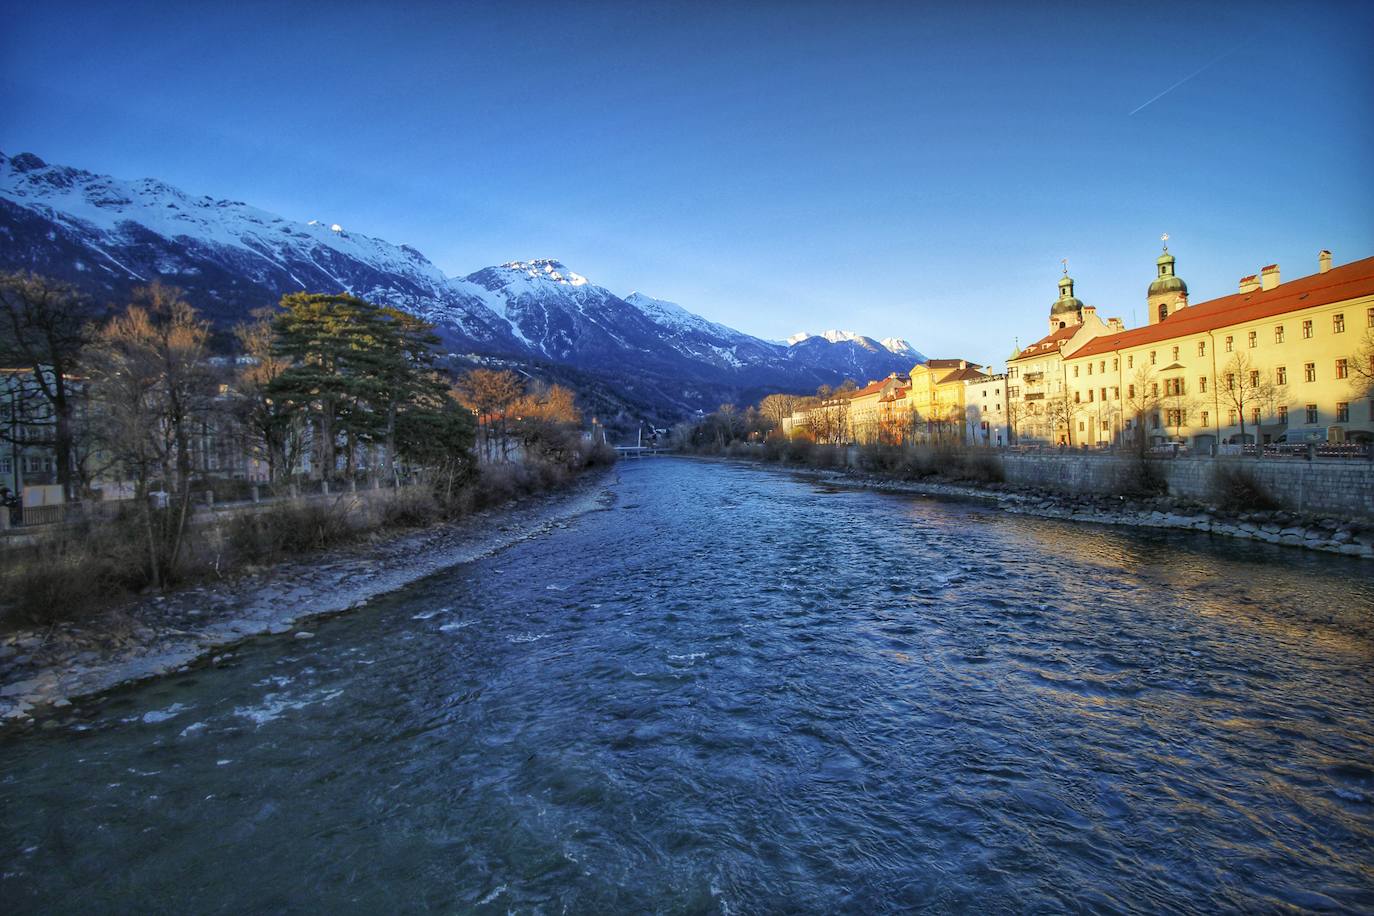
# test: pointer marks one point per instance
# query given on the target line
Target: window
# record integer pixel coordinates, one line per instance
(1255, 416)
(1342, 412)
(1163, 310)
(1253, 339)
(1230, 382)
(1090, 395)
(1278, 333)
(1103, 393)
(1229, 345)
(1154, 421)
(1075, 372)
(1283, 414)
(5, 466)
(1116, 393)
(1369, 317)
(1130, 391)
(1154, 389)
(1173, 418)
(1312, 414)
(1307, 329)
(1152, 357)
(1130, 361)
(1202, 348)
(1231, 417)
(1206, 418)
(1309, 372)
(1173, 386)
(1076, 398)
(1116, 361)
(1342, 369)
(1254, 378)
(1281, 375)
(1338, 323)
(1202, 384)
(1101, 365)
(1080, 426)
(1175, 354)
(1090, 368)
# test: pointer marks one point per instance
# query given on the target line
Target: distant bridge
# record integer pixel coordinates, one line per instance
(640, 451)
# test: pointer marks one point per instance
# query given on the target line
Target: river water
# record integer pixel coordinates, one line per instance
(737, 691)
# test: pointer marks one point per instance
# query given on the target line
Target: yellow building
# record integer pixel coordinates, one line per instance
(927, 405)
(871, 413)
(1274, 362)
(1038, 395)
(937, 399)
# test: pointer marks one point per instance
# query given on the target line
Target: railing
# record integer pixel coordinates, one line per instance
(202, 501)
(1349, 451)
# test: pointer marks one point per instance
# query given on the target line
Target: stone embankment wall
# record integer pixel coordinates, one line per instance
(1321, 487)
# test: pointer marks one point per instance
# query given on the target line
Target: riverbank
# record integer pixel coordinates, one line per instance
(51, 667)
(1326, 534)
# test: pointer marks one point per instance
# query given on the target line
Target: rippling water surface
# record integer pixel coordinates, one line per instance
(735, 691)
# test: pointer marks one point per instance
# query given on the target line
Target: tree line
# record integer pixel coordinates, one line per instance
(321, 386)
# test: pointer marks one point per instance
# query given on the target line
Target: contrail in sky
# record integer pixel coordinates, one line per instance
(1182, 81)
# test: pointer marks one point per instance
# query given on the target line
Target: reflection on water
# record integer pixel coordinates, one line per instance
(735, 691)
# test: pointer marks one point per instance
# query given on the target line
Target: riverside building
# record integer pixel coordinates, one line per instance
(1274, 362)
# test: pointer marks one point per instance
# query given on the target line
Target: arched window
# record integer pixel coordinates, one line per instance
(1061, 325)
(1163, 311)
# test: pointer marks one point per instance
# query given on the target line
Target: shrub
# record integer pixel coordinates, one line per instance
(1141, 479)
(1236, 489)
(73, 571)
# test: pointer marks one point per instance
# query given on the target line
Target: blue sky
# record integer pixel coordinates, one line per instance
(899, 169)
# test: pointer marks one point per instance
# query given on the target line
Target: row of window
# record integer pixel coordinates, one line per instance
(1252, 338)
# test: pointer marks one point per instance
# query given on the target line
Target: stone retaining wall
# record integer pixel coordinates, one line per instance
(1322, 487)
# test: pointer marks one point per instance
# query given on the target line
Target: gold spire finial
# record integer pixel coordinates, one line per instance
(1165, 239)
(1065, 262)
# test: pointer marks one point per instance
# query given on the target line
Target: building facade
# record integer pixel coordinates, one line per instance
(1274, 362)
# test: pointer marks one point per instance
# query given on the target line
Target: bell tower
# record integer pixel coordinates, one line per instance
(1067, 310)
(1168, 293)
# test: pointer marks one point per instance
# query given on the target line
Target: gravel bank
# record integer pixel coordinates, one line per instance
(48, 668)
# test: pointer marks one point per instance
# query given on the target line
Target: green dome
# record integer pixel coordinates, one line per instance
(1168, 284)
(1066, 302)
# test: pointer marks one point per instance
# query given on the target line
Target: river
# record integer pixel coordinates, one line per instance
(737, 691)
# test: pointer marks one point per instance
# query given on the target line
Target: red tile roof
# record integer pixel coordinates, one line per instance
(1350, 281)
(962, 375)
(1047, 344)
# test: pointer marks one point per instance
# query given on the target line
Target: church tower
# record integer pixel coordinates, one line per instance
(1066, 310)
(1168, 293)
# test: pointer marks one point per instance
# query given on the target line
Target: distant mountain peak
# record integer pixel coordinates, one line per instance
(107, 234)
(547, 269)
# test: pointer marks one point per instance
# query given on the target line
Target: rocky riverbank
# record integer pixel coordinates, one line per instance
(1330, 535)
(51, 667)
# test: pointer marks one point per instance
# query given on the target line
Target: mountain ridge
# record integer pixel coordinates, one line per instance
(106, 235)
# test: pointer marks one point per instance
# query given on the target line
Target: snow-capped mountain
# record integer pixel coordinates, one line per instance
(107, 235)
(894, 345)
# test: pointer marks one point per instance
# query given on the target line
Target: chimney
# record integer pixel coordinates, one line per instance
(1323, 261)
(1116, 324)
(1269, 276)
(1249, 284)
(1089, 311)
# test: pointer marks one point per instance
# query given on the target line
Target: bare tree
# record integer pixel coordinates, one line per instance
(44, 328)
(778, 407)
(1142, 403)
(1361, 364)
(490, 394)
(153, 386)
(273, 429)
(1243, 385)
